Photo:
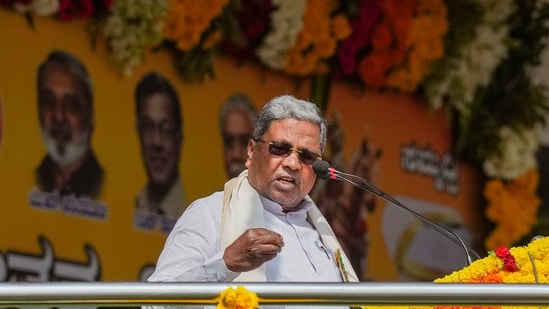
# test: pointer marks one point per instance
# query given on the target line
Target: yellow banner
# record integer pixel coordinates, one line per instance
(46, 236)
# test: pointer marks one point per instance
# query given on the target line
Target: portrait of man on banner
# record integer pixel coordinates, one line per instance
(236, 124)
(65, 113)
(159, 127)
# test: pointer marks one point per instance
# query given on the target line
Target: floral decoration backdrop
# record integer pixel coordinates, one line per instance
(472, 57)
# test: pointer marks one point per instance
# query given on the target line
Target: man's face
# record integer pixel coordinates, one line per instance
(65, 115)
(237, 130)
(160, 139)
(284, 179)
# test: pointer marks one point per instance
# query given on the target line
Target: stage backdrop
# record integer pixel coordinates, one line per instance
(390, 139)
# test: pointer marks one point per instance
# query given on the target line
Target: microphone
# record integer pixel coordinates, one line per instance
(325, 171)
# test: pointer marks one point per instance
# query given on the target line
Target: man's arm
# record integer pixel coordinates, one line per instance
(192, 251)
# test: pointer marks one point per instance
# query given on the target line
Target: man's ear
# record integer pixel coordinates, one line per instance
(250, 148)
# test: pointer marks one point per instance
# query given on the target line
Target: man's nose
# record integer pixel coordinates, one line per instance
(292, 160)
(157, 137)
(59, 111)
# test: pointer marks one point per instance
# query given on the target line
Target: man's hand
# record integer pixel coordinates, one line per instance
(251, 249)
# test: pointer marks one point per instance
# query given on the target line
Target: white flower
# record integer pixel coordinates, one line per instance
(45, 7)
(518, 154)
(22, 8)
(476, 61)
(286, 23)
(133, 27)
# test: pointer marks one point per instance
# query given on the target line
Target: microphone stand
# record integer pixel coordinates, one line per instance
(364, 185)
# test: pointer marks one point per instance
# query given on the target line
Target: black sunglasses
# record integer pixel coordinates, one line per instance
(282, 149)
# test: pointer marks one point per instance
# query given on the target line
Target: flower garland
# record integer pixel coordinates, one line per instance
(317, 40)
(239, 298)
(477, 57)
(189, 20)
(516, 200)
(425, 45)
(362, 27)
(65, 10)
(496, 128)
(132, 28)
(517, 154)
(474, 61)
(389, 42)
(253, 18)
(509, 262)
(523, 264)
(286, 22)
(195, 30)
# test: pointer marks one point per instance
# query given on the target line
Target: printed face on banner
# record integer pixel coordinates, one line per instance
(65, 114)
(160, 139)
(237, 131)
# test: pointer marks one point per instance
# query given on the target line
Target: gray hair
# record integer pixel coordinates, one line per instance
(238, 102)
(287, 106)
(76, 68)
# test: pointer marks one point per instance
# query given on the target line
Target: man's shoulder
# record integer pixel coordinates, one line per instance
(212, 198)
(204, 208)
(212, 201)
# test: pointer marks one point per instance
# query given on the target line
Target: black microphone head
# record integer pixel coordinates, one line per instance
(321, 169)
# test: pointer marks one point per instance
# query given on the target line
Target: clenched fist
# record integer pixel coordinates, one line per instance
(251, 249)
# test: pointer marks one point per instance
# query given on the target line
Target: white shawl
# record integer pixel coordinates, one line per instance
(242, 209)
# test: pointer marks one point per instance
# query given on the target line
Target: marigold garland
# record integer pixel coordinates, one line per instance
(318, 38)
(188, 20)
(239, 298)
(492, 268)
(513, 207)
(389, 42)
(531, 261)
(424, 47)
(524, 264)
(509, 262)
(195, 30)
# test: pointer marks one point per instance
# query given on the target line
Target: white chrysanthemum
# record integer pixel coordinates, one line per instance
(476, 61)
(286, 23)
(45, 7)
(133, 27)
(22, 8)
(480, 59)
(518, 154)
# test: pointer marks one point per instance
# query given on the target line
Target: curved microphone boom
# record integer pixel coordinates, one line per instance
(325, 171)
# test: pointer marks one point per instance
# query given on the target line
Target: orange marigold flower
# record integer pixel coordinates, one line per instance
(211, 39)
(512, 207)
(341, 27)
(317, 40)
(187, 20)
